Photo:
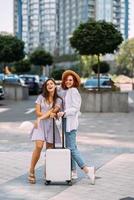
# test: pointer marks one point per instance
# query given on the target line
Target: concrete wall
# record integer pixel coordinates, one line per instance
(104, 102)
(16, 92)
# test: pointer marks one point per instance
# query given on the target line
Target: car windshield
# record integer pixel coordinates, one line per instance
(43, 78)
(12, 80)
(94, 82)
(30, 78)
(1, 76)
(91, 82)
(1, 90)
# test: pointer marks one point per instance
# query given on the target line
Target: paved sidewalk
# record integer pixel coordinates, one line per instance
(105, 140)
(114, 181)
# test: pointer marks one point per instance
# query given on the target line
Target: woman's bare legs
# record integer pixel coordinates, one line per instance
(35, 157)
(36, 154)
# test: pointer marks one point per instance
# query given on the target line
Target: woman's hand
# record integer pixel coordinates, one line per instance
(60, 114)
(47, 114)
(52, 115)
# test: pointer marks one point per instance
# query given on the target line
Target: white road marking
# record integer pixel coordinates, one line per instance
(30, 110)
(4, 109)
(130, 100)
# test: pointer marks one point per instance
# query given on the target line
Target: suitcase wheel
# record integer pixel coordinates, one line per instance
(69, 183)
(47, 182)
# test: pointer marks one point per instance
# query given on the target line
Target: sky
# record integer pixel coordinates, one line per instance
(6, 16)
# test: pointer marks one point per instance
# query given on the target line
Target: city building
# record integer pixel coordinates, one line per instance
(50, 23)
(35, 22)
(115, 11)
(131, 19)
(72, 12)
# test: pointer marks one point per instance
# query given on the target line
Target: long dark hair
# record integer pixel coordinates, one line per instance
(45, 92)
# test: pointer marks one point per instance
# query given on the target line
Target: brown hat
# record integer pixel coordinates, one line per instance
(70, 72)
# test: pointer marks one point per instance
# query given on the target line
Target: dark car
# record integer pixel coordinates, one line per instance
(33, 83)
(2, 92)
(92, 83)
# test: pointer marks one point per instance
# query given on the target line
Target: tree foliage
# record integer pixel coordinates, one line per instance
(57, 73)
(86, 64)
(22, 66)
(65, 58)
(95, 38)
(104, 67)
(125, 56)
(41, 57)
(11, 49)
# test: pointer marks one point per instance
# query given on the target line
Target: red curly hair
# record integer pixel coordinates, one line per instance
(75, 84)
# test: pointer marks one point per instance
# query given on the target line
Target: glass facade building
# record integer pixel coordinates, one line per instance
(35, 22)
(72, 12)
(115, 11)
(50, 23)
(104, 10)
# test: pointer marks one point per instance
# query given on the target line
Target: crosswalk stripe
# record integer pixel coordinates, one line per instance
(30, 110)
(4, 109)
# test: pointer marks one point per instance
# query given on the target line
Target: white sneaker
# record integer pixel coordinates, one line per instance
(74, 175)
(91, 174)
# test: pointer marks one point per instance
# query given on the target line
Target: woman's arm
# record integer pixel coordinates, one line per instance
(58, 106)
(40, 114)
(50, 113)
(38, 110)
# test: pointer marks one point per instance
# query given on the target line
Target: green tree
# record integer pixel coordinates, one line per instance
(57, 73)
(64, 58)
(22, 66)
(11, 49)
(41, 58)
(125, 57)
(86, 64)
(104, 67)
(96, 38)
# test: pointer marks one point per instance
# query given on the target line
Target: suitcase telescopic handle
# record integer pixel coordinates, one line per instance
(53, 133)
(63, 130)
(62, 135)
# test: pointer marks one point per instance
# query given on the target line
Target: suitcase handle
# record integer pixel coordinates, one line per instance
(63, 128)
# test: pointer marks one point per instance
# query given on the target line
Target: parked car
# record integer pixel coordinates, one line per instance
(2, 92)
(92, 83)
(42, 79)
(13, 79)
(2, 77)
(33, 83)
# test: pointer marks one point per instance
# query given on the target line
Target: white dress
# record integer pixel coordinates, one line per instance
(44, 131)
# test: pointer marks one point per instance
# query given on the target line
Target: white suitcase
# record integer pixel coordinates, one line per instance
(58, 162)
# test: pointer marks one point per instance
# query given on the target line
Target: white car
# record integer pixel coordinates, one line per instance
(32, 81)
(13, 79)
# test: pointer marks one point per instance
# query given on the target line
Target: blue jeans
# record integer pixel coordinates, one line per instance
(70, 139)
